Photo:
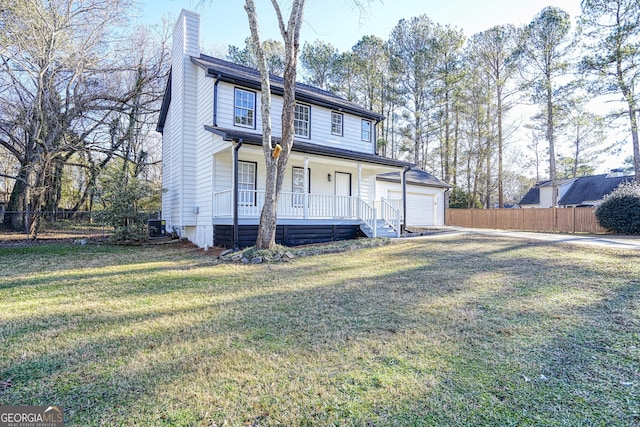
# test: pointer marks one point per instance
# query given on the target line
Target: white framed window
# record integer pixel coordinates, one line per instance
(245, 108)
(247, 183)
(336, 123)
(365, 132)
(302, 120)
(297, 186)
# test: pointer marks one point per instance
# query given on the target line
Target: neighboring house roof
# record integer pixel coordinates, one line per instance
(248, 77)
(308, 148)
(532, 197)
(589, 189)
(414, 176)
(560, 182)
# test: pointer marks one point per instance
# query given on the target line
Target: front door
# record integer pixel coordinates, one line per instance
(343, 195)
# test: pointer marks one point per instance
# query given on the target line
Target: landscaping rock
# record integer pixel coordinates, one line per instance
(227, 252)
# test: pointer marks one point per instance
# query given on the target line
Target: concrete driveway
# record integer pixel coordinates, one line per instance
(604, 241)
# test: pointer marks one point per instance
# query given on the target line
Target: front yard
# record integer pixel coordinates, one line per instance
(455, 331)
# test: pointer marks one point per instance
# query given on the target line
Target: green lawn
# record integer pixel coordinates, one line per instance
(457, 331)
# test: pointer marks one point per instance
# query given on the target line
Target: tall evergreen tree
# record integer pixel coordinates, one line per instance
(612, 28)
(546, 60)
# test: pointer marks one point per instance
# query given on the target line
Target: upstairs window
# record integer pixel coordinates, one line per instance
(336, 123)
(301, 120)
(245, 108)
(365, 132)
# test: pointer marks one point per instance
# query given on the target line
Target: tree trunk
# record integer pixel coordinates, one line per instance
(550, 139)
(13, 217)
(500, 165)
(276, 159)
(633, 120)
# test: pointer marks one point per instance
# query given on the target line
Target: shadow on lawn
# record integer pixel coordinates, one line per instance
(440, 339)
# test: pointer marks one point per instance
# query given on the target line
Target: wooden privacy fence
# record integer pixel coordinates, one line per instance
(560, 220)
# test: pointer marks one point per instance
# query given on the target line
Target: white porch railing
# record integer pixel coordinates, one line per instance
(318, 206)
(390, 214)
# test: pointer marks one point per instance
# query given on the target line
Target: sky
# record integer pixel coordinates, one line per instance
(339, 22)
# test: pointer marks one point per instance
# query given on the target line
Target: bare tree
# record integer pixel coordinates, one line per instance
(276, 157)
(63, 82)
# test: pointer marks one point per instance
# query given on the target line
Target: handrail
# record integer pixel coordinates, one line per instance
(390, 215)
(368, 215)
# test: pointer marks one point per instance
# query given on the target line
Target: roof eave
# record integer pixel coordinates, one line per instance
(309, 148)
(166, 101)
(277, 89)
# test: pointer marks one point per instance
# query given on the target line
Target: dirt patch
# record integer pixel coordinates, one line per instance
(11, 238)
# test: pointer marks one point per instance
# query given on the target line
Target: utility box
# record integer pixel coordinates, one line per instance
(157, 227)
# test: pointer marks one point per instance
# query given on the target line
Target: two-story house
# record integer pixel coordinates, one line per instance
(213, 162)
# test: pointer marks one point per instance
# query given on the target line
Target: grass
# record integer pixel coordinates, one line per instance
(454, 331)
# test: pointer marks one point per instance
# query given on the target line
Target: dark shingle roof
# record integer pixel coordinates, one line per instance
(414, 176)
(238, 74)
(249, 77)
(532, 197)
(309, 148)
(591, 188)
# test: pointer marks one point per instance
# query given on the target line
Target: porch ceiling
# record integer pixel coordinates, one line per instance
(309, 148)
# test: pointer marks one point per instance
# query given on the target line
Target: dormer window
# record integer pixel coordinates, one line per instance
(302, 120)
(365, 133)
(245, 108)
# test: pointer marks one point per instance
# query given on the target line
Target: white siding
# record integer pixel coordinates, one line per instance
(179, 136)
(204, 163)
(223, 178)
(320, 122)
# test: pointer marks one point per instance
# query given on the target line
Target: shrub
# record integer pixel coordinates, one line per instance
(122, 194)
(460, 199)
(620, 210)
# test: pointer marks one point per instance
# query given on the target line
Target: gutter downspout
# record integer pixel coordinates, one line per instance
(375, 137)
(404, 198)
(215, 100)
(235, 194)
(446, 206)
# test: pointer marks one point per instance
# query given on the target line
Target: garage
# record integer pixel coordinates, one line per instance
(425, 196)
(420, 208)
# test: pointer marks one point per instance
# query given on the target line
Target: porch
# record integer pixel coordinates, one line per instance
(383, 218)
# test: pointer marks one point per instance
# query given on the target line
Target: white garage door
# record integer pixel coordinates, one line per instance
(419, 208)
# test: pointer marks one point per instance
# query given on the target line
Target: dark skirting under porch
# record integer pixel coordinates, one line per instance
(288, 235)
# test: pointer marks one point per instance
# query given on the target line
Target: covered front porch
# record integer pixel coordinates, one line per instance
(382, 218)
(325, 188)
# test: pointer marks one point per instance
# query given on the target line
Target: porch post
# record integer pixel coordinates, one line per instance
(403, 181)
(235, 195)
(306, 189)
(360, 191)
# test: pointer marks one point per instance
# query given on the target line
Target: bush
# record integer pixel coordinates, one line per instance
(620, 210)
(460, 199)
(122, 195)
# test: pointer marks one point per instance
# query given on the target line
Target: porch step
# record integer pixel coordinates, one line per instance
(382, 229)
